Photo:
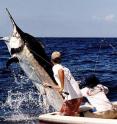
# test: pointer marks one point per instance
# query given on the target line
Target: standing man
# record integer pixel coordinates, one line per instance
(67, 86)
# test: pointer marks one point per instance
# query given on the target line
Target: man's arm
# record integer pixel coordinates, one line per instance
(61, 77)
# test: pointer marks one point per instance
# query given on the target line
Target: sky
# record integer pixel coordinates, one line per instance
(61, 18)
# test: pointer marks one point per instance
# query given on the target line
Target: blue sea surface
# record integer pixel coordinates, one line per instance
(20, 100)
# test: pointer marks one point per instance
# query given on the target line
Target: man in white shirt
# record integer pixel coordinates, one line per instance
(67, 86)
(96, 95)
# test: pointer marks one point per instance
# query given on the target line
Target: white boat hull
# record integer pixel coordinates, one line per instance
(58, 119)
(53, 118)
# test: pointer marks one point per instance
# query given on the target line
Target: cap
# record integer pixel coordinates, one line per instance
(55, 55)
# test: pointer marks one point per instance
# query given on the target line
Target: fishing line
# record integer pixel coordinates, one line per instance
(97, 59)
(41, 57)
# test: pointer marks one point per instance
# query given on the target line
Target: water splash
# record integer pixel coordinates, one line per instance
(23, 106)
(23, 101)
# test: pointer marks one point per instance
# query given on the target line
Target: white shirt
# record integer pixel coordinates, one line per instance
(97, 97)
(70, 85)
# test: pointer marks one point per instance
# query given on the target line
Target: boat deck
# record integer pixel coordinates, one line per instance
(54, 118)
(58, 119)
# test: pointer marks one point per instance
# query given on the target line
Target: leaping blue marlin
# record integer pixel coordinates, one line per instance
(30, 54)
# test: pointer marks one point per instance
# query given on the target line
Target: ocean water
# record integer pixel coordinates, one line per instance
(20, 101)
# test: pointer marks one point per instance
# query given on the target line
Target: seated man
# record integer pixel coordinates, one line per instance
(96, 95)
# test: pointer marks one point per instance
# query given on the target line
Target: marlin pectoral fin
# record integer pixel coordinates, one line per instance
(12, 60)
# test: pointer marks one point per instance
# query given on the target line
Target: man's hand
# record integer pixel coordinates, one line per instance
(60, 90)
(47, 85)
